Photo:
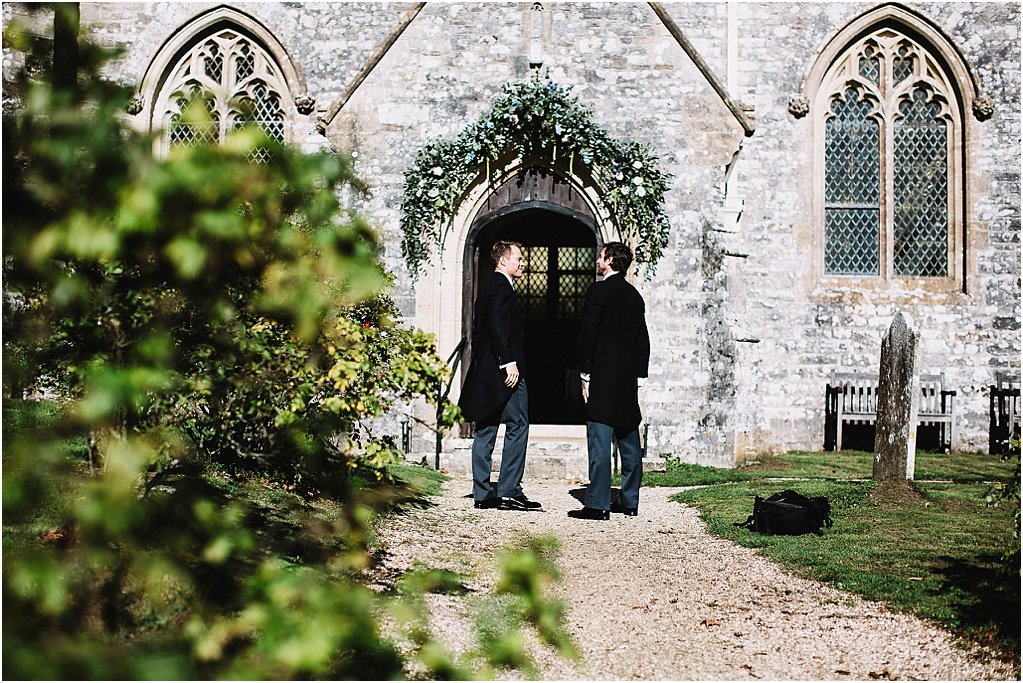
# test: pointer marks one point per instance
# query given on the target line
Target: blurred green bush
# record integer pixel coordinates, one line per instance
(197, 314)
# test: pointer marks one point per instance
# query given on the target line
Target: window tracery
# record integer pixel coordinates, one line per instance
(890, 135)
(237, 82)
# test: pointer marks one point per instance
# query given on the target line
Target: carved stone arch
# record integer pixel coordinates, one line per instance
(572, 195)
(534, 185)
(528, 188)
(442, 289)
(909, 22)
(152, 88)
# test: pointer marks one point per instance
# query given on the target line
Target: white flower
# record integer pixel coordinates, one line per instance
(637, 164)
(637, 181)
(625, 189)
(437, 171)
(640, 191)
(619, 176)
(433, 193)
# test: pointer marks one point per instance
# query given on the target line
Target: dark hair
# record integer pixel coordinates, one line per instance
(618, 255)
(502, 248)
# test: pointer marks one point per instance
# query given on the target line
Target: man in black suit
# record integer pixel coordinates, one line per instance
(614, 354)
(495, 389)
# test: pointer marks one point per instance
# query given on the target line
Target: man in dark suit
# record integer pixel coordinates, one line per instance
(495, 389)
(614, 354)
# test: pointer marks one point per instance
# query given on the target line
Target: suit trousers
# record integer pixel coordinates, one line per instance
(598, 440)
(515, 416)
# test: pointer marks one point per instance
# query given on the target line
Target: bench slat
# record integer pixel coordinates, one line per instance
(855, 402)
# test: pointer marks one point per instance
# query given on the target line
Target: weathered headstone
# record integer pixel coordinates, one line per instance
(898, 398)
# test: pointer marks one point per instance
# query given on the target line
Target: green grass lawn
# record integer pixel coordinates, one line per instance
(957, 467)
(932, 549)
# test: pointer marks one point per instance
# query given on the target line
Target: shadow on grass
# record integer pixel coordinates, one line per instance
(987, 601)
(299, 530)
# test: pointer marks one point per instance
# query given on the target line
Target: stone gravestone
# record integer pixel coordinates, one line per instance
(898, 398)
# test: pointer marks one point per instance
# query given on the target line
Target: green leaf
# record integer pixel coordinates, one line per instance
(187, 256)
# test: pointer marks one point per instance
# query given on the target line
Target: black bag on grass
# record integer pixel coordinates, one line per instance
(788, 513)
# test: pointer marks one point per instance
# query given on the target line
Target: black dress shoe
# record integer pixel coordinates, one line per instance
(628, 512)
(531, 504)
(590, 513)
(487, 503)
(516, 504)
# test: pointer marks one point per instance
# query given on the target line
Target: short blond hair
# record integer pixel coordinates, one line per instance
(502, 248)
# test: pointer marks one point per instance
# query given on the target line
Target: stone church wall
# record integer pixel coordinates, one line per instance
(744, 336)
(807, 331)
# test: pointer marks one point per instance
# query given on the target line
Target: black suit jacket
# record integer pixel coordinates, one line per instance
(614, 348)
(497, 339)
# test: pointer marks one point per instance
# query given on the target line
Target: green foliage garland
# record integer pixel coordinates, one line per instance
(529, 118)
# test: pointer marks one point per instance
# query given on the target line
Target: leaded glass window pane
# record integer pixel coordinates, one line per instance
(853, 241)
(245, 63)
(852, 188)
(576, 258)
(902, 66)
(575, 274)
(572, 287)
(889, 173)
(192, 134)
(870, 65)
(531, 288)
(213, 63)
(921, 189)
(555, 281)
(262, 109)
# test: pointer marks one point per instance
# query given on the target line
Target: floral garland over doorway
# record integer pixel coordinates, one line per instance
(534, 118)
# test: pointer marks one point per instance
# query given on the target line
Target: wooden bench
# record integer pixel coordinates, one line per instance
(1005, 406)
(851, 399)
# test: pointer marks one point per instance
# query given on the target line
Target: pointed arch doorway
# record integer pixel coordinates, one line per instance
(560, 238)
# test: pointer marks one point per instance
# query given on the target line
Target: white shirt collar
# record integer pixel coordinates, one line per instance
(609, 274)
(509, 277)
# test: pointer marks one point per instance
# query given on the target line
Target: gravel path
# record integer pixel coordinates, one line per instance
(657, 597)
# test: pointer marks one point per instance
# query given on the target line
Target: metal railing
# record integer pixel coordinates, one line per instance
(442, 393)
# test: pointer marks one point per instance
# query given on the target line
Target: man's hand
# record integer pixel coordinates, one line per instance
(512, 375)
(586, 390)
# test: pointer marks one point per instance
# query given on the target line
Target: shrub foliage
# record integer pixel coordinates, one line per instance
(201, 315)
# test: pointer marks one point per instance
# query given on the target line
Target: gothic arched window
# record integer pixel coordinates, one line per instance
(891, 133)
(238, 83)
